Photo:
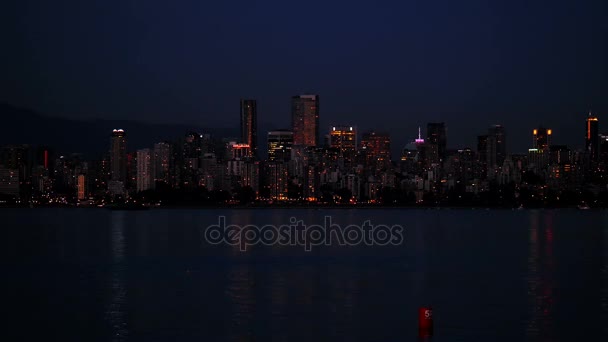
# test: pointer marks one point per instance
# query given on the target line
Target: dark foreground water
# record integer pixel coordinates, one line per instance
(87, 275)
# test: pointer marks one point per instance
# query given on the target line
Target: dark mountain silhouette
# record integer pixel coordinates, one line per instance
(90, 137)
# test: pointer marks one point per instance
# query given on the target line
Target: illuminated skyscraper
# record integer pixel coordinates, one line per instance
(539, 154)
(377, 148)
(81, 187)
(249, 125)
(305, 120)
(541, 138)
(437, 140)
(344, 138)
(560, 154)
(412, 155)
(592, 138)
(131, 170)
(482, 149)
(162, 162)
(378, 143)
(118, 156)
(497, 145)
(237, 151)
(145, 176)
(277, 180)
(279, 145)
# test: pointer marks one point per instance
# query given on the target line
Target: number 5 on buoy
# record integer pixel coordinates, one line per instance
(425, 321)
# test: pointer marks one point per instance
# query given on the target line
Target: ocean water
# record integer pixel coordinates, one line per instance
(489, 275)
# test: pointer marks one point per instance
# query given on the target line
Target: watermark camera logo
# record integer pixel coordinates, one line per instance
(299, 234)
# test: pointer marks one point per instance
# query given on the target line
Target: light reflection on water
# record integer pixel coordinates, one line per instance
(489, 275)
(540, 276)
(116, 310)
(604, 288)
(241, 304)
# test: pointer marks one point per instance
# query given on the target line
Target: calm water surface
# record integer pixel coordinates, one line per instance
(490, 275)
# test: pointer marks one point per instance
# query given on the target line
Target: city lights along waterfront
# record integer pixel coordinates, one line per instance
(307, 165)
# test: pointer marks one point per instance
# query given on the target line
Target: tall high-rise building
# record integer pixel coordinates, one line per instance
(496, 148)
(243, 173)
(592, 138)
(81, 187)
(344, 138)
(492, 165)
(277, 178)
(482, 149)
(192, 145)
(145, 176)
(162, 162)
(604, 147)
(118, 156)
(279, 145)
(560, 154)
(541, 138)
(539, 154)
(237, 151)
(188, 153)
(376, 146)
(131, 170)
(305, 120)
(249, 125)
(437, 138)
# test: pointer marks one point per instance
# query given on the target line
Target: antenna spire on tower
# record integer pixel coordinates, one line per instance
(419, 140)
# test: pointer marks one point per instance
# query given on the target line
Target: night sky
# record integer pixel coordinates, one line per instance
(390, 65)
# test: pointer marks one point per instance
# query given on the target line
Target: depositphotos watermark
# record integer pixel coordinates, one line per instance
(299, 234)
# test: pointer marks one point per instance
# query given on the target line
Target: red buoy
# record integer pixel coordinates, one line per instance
(425, 321)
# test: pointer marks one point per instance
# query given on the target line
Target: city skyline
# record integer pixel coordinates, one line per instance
(346, 166)
(405, 136)
(436, 134)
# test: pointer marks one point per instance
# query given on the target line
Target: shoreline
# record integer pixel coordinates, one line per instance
(309, 207)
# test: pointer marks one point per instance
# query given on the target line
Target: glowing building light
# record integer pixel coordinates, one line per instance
(419, 140)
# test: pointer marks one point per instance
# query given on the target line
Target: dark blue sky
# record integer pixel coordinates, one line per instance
(390, 65)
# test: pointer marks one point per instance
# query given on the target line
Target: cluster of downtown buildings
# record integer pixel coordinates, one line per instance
(345, 166)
